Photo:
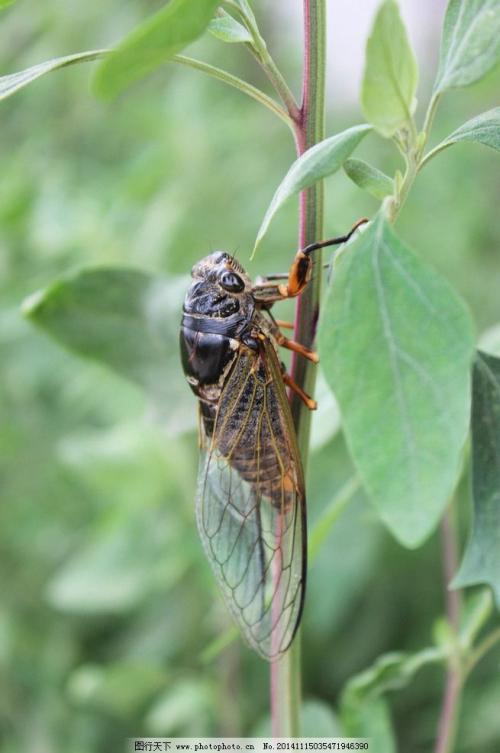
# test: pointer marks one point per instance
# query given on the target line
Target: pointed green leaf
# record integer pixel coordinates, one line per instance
(484, 129)
(128, 321)
(481, 562)
(396, 343)
(319, 161)
(390, 671)
(470, 44)
(154, 42)
(369, 178)
(225, 27)
(391, 73)
(14, 81)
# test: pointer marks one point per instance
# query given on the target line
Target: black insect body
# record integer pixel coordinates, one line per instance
(251, 497)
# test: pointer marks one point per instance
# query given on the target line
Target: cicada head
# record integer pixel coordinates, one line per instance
(220, 287)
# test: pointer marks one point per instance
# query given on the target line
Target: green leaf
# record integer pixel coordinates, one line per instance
(14, 81)
(391, 671)
(481, 562)
(6, 3)
(470, 43)
(316, 163)
(128, 321)
(154, 42)
(484, 129)
(391, 73)
(396, 343)
(367, 177)
(225, 27)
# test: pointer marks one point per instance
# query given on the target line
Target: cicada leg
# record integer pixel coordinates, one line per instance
(296, 347)
(285, 342)
(268, 290)
(308, 401)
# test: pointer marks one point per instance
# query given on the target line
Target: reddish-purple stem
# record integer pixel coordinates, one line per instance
(301, 144)
(453, 687)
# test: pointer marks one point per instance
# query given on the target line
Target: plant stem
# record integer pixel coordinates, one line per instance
(437, 149)
(454, 680)
(449, 713)
(285, 673)
(311, 131)
(429, 116)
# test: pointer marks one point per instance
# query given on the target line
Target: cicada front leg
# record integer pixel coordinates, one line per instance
(269, 290)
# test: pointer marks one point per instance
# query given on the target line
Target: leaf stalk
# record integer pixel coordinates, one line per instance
(237, 83)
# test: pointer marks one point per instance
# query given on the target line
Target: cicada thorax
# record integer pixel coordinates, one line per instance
(215, 322)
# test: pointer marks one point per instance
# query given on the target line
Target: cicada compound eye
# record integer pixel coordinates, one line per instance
(231, 282)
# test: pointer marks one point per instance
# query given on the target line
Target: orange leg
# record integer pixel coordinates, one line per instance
(268, 291)
(284, 325)
(309, 402)
(297, 348)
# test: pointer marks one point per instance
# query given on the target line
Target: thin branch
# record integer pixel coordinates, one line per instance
(430, 114)
(437, 149)
(285, 674)
(487, 644)
(237, 83)
(449, 712)
(259, 50)
(454, 681)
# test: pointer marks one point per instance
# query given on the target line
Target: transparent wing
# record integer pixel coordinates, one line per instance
(251, 504)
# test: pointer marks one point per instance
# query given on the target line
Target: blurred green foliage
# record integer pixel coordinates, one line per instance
(106, 599)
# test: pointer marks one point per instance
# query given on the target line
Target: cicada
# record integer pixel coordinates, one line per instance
(251, 502)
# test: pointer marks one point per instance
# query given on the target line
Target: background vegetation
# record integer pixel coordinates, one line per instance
(108, 607)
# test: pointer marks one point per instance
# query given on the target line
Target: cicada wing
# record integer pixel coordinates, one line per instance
(251, 504)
